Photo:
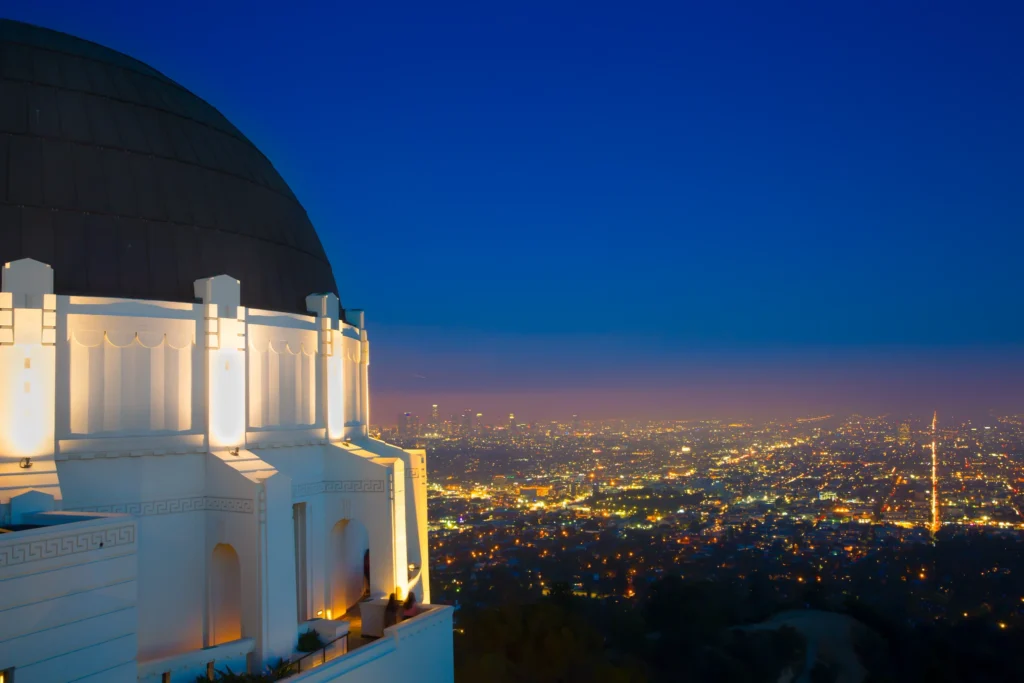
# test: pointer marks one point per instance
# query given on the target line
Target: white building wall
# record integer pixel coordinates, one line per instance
(189, 667)
(348, 483)
(235, 524)
(127, 368)
(68, 601)
(205, 423)
(415, 507)
(429, 642)
(165, 494)
(416, 521)
(129, 375)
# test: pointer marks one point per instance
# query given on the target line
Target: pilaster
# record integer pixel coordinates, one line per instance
(331, 367)
(28, 331)
(225, 347)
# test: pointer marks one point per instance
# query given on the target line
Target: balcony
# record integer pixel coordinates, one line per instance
(420, 644)
(418, 648)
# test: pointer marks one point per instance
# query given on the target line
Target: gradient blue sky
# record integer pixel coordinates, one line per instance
(681, 209)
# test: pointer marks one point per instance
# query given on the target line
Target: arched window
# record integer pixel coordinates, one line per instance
(225, 595)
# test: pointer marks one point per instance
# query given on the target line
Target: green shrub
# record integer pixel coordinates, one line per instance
(310, 641)
(280, 671)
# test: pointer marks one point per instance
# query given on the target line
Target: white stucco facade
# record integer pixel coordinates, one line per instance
(68, 599)
(233, 444)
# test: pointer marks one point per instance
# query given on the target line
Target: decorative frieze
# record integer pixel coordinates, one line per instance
(339, 486)
(173, 506)
(35, 550)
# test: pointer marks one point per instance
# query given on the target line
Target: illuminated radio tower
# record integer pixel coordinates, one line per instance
(935, 475)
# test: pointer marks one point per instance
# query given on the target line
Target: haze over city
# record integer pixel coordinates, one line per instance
(599, 382)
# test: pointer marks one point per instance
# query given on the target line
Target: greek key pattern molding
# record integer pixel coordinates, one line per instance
(69, 544)
(175, 505)
(339, 486)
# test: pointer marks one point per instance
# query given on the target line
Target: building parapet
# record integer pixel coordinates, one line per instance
(190, 665)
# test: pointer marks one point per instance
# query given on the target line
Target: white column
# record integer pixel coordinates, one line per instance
(330, 370)
(355, 358)
(386, 525)
(28, 336)
(364, 381)
(357, 319)
(277, 560)
(225, 343)
(401, 551)
(319, 531)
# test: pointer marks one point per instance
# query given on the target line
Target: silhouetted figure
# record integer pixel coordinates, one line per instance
(391, 611)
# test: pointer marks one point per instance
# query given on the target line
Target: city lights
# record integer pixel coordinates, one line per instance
(805, 502)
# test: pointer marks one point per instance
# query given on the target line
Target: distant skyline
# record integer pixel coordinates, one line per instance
(674, 209)
(601, 379)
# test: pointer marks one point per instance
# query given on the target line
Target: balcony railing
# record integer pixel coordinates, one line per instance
(331, 650)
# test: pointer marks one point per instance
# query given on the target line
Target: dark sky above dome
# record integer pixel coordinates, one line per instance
(131, 186)
(596, 198)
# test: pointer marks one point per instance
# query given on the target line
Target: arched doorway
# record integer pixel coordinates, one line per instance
(350, 545)
(225, 595)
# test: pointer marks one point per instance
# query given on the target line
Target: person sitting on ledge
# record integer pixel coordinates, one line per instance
(410, 608)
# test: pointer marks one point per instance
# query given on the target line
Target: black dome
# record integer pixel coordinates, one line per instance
(131, 186)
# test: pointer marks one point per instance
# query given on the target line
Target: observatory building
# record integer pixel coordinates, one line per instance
(187, 481)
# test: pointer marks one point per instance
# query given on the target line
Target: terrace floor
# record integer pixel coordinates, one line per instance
(355, 629)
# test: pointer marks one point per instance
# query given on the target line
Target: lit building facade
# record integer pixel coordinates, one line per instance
(187, 481)
(903, 438)
(435, 420)
(408, 425)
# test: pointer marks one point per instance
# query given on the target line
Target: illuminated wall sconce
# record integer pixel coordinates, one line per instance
(25, 463)
(319, 612)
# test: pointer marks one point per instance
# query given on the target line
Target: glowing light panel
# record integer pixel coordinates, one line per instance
(226, 397)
